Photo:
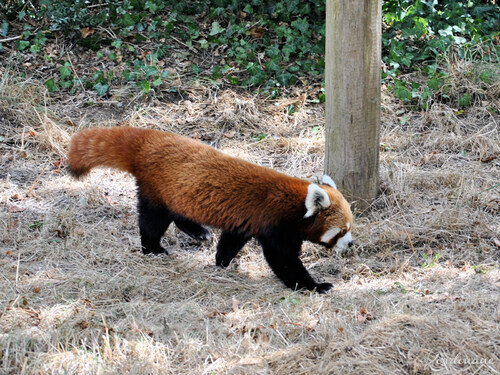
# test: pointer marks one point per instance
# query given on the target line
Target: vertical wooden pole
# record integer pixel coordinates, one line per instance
(352, 73)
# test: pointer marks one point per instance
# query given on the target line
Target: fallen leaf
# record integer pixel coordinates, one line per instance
(361, 318)
(489, 158)
(17, 197)
(364, 315)
(85, 31)
(230, 134)
(79, 230)
(496, 241)
(257, 32)
(83, 324)
(15, 209)
(213, 314)
(36, 290)
(311, 326)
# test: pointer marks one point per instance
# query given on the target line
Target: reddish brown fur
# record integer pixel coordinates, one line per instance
(191, 183)
(196, 180)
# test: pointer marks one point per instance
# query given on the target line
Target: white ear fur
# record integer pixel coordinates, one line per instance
(327, 180)
(316, 200)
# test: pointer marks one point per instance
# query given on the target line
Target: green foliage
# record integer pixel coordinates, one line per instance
(273, 43)
(430, 261)
(259, 137)
(270, 44)
(418, 33)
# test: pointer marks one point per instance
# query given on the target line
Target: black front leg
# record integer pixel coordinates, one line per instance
(282, 253)
(154, 220)
(229, 245)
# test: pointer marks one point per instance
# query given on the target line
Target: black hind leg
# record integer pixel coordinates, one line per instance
(192, 229)
(229, 245)
(154, 220)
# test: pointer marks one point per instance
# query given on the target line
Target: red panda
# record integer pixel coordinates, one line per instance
(192, 184)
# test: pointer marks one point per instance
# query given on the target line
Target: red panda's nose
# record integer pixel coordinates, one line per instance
(350, 243)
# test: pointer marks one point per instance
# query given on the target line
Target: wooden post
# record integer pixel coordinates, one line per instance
(352, 73)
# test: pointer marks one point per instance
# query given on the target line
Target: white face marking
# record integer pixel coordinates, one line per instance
(348, 225)
(343, 243)
(329, 234)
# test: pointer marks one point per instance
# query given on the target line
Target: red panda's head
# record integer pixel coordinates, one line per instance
(330, 214)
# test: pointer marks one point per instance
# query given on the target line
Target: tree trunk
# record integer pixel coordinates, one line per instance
(352, 73)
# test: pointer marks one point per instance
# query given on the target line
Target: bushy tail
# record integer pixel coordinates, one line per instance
(107, 147)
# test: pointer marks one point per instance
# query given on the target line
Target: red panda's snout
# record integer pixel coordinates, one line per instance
(337, 234)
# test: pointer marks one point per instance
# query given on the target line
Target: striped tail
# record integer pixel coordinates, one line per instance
(106, 147)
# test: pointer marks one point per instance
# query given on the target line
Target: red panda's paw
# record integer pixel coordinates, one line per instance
(324, 287)
(155, 250)
(202, 235)
(193, 229)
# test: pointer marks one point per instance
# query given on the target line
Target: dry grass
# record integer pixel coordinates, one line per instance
(77, 297)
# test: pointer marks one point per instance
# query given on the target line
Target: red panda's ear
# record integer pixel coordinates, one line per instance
(327, 180)
(316, 200)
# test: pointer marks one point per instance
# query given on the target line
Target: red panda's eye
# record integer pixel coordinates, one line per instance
(344, 231)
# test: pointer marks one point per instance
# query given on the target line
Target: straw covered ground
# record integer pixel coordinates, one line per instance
(418, 293)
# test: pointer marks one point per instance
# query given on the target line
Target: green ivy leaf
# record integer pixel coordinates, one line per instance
(216, 72)
(4, 29)
(486, 76)
(157, 82)
(402, 93)
(35, 48)
(434, 83)
(322, 96)
(117, 43)
(301, 24)
(128, 75)
(144, 85)
(248, 9)
(203, 43)
(51, 85)
(464, 100)
(233, 80)
(101, 89)
(196, 69)
(65, 71)
(22, 45)
(216, 29)
(66, 84)
(152, 6)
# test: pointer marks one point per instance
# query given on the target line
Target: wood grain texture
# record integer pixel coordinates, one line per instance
(352, 73)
